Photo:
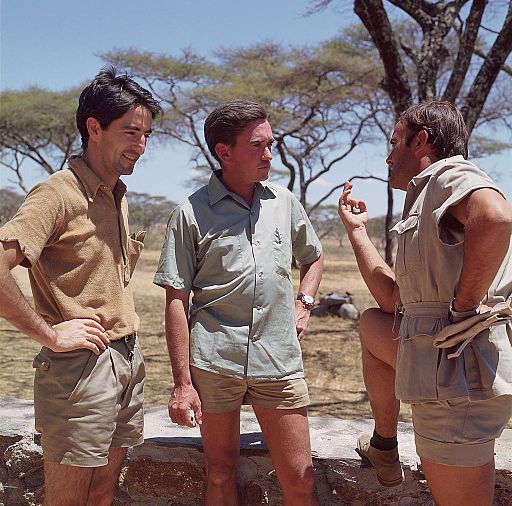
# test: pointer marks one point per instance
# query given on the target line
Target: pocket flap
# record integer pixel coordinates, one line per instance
(404, 225)
(41, 363)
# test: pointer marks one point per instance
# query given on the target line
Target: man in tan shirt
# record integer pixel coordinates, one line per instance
(453, 262)
(71, 232)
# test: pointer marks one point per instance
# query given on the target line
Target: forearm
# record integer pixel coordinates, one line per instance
(485, 246)
(178, 340)
(310, 276)
(377, 275)
(15, 308)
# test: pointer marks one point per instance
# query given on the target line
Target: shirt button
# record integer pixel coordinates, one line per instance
(259, 308)
(260, 274)
(256, 243)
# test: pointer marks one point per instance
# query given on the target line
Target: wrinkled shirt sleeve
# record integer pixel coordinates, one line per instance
(36, 223)
(306, 246)
(177, 265)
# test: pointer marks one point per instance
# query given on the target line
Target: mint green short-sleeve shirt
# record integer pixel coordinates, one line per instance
(236, 260)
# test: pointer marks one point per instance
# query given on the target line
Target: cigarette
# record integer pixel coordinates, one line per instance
(192, 417)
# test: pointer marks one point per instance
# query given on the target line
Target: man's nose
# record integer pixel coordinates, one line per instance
(267, 154)
(140, 145)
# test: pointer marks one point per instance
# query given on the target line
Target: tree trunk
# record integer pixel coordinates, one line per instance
(389, 223)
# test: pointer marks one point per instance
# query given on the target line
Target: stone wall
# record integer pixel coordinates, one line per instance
(168, 469)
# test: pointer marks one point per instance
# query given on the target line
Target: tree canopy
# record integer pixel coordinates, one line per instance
(321, 99)
(442, 50)
(37, 125)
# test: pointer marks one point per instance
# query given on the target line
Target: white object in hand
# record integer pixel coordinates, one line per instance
(192, 417)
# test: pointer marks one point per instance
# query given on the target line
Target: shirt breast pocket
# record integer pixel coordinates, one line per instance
(282, 252)
(408, 258)
(224, 257)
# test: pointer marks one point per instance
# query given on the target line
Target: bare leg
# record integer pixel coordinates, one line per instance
(379, 351)
(460, 486)
(66, 485)
(104, 479)
(220, 433)
(286, 432)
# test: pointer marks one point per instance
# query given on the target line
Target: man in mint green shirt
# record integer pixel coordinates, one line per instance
(231, 245)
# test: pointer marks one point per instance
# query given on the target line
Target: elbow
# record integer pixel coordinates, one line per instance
(495, 220)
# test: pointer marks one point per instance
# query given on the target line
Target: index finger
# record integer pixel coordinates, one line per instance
(89, 322)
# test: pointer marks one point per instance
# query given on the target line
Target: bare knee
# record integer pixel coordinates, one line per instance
(370, 320)
(101, 495)
(299, 482)
(220, 473)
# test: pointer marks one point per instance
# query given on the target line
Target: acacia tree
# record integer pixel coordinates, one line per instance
(444, 51)
(39, 126)
(321, 100)
(146, 210)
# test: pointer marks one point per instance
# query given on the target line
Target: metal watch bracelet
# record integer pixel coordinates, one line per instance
(462, 314)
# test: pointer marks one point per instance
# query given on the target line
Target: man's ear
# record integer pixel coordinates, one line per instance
(93, 127)
(422, 139)
(223, 151)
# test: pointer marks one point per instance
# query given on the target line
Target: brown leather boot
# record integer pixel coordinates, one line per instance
(386, 463)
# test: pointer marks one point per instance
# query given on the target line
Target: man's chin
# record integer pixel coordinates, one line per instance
(264, 174)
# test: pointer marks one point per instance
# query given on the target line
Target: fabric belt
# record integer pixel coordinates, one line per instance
(130, 338)
(427, 309)
(463, 332)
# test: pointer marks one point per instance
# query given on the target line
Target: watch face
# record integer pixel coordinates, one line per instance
(307, 299)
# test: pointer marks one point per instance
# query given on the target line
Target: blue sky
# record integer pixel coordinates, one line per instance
(55, 44)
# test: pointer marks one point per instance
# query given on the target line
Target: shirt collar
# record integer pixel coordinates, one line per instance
(431, 169)
(217, 190)
(91, 182)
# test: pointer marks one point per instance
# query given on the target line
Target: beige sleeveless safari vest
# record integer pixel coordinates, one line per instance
(428, 265)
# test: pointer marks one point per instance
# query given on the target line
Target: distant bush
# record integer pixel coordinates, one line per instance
(10, 201)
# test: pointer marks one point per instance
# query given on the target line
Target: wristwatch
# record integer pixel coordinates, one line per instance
(307, 300)
(462, 314)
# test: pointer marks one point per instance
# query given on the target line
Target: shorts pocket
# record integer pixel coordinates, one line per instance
(416, 369)
(486, 419)
(69, 370)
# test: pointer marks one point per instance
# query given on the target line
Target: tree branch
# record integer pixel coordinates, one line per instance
(375, 19)
(489, 70)
(467, 40)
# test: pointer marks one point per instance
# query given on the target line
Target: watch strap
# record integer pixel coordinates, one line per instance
(462, 314)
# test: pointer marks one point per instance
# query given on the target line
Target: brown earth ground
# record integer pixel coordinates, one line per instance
(331, 348)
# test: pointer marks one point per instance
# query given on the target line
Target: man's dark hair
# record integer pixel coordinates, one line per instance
(228, 120)
(447, 132)
(108, 97)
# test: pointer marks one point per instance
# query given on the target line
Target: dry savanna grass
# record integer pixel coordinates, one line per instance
(331, 348)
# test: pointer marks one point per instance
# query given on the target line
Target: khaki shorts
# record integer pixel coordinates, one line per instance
(460, 432)
(85, 404)
(220, 394)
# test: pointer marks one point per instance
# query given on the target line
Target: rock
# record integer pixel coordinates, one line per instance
(348, 312)
(320, 311)
(168, 469)
(154, 478)
(23, 457)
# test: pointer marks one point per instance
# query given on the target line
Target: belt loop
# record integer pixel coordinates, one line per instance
(399, 310)
(129, 342)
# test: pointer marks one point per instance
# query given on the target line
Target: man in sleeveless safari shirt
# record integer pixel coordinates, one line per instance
(71, 232)
(453, 261)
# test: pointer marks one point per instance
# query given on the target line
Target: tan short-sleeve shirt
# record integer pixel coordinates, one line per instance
(74, 234)
(428, 266)
(236, 259)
